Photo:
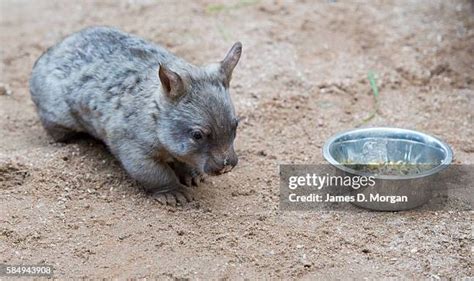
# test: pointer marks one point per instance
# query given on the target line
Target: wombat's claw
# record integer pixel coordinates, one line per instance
(192, 180)
(173, 197)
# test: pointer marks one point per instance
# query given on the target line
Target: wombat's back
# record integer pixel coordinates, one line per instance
(78, 73)
(95, 46)
(96, 51)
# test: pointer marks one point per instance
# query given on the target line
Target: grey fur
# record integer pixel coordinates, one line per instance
(107, 83)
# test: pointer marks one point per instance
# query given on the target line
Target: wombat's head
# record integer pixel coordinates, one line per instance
(198, 122)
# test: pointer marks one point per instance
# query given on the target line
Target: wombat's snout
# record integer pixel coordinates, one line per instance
(221, 165)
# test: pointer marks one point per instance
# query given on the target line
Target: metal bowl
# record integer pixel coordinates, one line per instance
(382, 145)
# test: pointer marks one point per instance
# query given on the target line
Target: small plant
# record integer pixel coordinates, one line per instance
(217, 8)
(375, 91)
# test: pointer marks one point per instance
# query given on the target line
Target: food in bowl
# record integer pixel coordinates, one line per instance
(390, 168)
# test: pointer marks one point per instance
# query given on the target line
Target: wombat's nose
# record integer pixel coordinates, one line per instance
(229, 163)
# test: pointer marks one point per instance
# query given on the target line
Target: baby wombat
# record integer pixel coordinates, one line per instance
(167, 121)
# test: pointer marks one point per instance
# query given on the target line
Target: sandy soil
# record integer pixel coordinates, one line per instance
(302, 78)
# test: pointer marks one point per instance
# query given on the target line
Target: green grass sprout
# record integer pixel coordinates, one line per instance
(375, 91)
(217, 8)
(373, 83)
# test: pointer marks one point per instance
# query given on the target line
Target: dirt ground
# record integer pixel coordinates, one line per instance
(302, 78)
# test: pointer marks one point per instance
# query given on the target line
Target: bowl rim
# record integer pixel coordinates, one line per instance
(443, 165)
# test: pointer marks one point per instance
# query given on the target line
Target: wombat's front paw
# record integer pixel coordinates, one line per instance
(173, 197)
(192, 179)
(187, 175)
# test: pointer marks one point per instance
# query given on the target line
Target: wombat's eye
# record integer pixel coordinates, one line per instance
(196, 135)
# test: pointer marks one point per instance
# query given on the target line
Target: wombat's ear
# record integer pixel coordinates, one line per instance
(172, 84)
(230, 61)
